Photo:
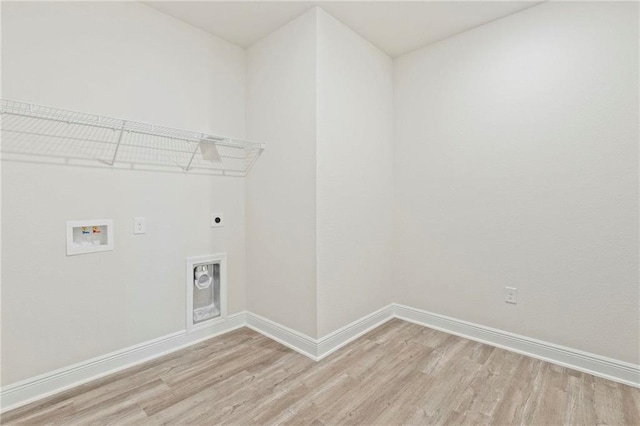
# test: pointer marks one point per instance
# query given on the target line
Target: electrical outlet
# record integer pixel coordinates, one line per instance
(139, 225)
(217, 220)
(511, 295)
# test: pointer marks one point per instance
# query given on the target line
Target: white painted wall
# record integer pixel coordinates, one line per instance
(517, 165)
(281, 188)
(354, 176)
(130, 61)
(322, 96)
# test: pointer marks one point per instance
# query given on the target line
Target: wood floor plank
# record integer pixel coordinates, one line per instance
(199, 380)
(608, 402)
(40, 416)
(520, 389)
(246, 401)
(580, 407)
(399, 373)
(630, 405)
(381, 399)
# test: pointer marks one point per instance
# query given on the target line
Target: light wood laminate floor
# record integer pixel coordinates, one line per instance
(400, 373)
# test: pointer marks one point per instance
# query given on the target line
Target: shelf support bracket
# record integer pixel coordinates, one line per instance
(193, 155)
(115, 153)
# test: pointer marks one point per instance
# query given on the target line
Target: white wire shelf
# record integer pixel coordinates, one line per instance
(44, 134)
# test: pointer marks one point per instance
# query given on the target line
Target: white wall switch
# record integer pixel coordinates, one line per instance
(511, 295)
(217, 220)
(139, 225)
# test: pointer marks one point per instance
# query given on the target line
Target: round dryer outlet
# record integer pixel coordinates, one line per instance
(217, 220)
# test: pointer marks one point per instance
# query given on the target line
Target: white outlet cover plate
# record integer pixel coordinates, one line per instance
(511, 295)
(215, 216)
(139, 225)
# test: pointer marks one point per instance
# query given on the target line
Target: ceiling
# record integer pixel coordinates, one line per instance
(396, 27)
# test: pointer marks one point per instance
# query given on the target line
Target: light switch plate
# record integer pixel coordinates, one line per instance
(217, 220)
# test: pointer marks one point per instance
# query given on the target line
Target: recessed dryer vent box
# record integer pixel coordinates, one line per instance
(89, 236)
(206, 291)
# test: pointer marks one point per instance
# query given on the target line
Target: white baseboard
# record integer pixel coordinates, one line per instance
(44, 385)
(333, 341)
(286, 336)
(597, 365)
(317, 349)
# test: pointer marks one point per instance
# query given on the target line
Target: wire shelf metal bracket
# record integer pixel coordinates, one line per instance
(115, 151)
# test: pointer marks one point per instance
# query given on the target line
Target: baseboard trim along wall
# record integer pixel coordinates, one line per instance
(47, 384)
(335, 340)
(286, 336)
(317, 349)
(597, 365)
(42, 386)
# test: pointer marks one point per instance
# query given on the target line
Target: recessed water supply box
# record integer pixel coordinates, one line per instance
(206, 290)
(89, 236)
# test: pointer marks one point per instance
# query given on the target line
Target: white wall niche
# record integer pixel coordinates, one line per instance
(89, 236)
(206, 298)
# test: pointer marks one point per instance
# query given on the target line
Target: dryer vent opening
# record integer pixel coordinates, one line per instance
(206, 290)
